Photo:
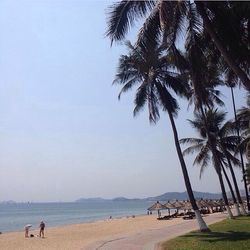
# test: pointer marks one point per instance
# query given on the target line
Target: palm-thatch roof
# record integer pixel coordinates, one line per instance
(169, 205)
(178, 204)
(157, 206)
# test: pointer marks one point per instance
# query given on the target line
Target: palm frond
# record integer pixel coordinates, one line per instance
(140, 98)
(153, 110)
(205, 164)
(168, 102)
(123, 14)
(128, 86)
(149, 35)
(191, 141)
(192, 149)
(202, 155)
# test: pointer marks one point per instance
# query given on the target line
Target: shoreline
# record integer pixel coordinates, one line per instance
(92, 235)
(71, 224)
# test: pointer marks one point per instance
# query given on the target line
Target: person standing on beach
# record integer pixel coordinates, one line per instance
(42, 227)
(26, 230)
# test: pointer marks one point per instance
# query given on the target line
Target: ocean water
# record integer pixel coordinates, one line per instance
(13, 217)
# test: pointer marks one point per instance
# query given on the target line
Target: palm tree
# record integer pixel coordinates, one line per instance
(243, 117)
(232, 81)
(229, 18)
(228, 143)
(207, 145)
(149, 70)
(168, 19)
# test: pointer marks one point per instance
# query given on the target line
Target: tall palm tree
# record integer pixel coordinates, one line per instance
(149, 70)
(231, 82)
(168, 18)
(242, 123)
(207, 145)
(216, 12)
(203, 74)
(228, 143)
(243, 117)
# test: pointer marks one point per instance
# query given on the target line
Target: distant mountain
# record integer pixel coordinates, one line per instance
(98, 199)
(125, 199)
(120, 199)
(164, 197)
(184, 196)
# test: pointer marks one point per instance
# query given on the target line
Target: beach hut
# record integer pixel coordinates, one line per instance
(157, 206)
(187, 205)
(201, 204)
(169, 206)
(178, 204)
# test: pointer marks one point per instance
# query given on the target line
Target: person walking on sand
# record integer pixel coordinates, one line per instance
(42, 226)
(26, 230)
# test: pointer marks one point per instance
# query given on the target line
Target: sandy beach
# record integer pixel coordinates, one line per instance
(93, 235)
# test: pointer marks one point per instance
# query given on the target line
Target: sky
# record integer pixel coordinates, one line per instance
(63, 133)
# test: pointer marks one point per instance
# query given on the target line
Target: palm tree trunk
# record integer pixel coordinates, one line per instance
(241, 156)
(201, 223)
(243, 211)
(226, 55)
(224, 195)
(217, 163)
(231, 190)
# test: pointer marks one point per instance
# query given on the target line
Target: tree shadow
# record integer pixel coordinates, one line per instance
(243, 217)
(220, 236)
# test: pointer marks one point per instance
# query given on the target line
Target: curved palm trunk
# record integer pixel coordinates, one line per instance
(241, 157)
(224, 195)
(217, 165)
(202, 225)
(226, 55)
(231, 190)
(243, 211)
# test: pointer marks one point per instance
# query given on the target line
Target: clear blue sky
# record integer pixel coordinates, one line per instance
(63, 133)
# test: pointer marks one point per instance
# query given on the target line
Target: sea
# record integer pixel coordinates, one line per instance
(13, 217)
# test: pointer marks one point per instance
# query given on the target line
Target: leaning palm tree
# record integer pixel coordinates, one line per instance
(228, 143)
(243, 117)
(207, 145)
(236, 18)
(232, 81)
(202, 75)
(169, 18)
(149, 70)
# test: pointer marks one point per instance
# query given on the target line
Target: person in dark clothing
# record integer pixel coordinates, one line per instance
(42, 227)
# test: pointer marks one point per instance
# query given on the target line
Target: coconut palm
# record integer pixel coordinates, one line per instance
(242, 122)
(228, 143)
(149, 70)
(202, 77)
(207, 145)
(168, 19)
(234, 21)
(232, 81)
(243, 117)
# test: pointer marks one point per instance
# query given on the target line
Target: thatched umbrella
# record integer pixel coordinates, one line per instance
(187, 205)
(211, 203)
(157, 206)
(178, 204)
(169, 206)
(201, 203)
(219, 203)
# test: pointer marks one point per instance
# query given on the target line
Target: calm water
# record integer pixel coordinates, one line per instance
(13, 217)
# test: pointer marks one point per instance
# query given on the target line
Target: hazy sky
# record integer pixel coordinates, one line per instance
(63, 133)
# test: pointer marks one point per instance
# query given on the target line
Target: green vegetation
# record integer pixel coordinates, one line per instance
(228, 234)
